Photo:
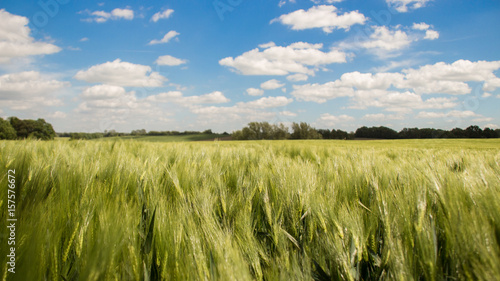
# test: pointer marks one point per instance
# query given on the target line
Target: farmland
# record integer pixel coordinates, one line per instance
(257, 210)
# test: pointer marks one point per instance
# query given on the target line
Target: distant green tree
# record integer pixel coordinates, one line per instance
(262, 131)
(138, 132)
(489, 133)
(27, 128)
(7, 132)
(280, 132)
(304, 131)
(474, 132)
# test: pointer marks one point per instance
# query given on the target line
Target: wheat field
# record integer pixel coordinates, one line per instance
(268, 210)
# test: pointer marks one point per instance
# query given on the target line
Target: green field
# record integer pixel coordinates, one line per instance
(267, 210)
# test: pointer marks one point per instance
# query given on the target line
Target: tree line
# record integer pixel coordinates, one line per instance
(141, 132)
(14, 128)
(266, 131)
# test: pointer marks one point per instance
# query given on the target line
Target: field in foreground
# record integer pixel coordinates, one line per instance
(291, 210)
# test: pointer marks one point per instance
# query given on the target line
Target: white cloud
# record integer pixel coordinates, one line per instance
(420, 26)
(84, 39)
(369, 81)
(387, 40)
(120, 73)
(255, 92)
(402, 6)
(324, 16)
(15, 39)
(214, 97)
(169, 36)
(268, 102)
(242, 112)
(271, 84)
(283, 2)
(169, 60)
(288, 114)
(28, 90)
(492, 84)
(320, 93)
(453, 113)
(326, 1)
(123, 13)
(278, 60)
(486, 95)
(451, 78)
(179, 98)
(431, 35)
(116, 14)
(58, 115)
(332, 120)
(383, 117)
(162, 15)
(267, 45)
(373, 90)
(26, 85)
(297, 77)
(99, 92)
(398, 101)
(491, 126)
(483, 119)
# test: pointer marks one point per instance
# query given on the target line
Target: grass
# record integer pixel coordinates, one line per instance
(282, 210)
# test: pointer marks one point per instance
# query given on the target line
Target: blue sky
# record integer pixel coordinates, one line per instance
(192, 65)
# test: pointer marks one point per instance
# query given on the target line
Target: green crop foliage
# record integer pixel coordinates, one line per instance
(260, 210)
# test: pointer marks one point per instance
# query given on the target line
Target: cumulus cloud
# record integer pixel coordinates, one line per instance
(325, 17)
(99, 92)
(288, 114)
(27, 90)
(387, 41)
(58, 115)
(320, 93)
(420, 26)
(241, 112)
(398, 101)
(255, 92)
(332, 120)
(25, 85)
(453, 113)
(402, 91)
(403, 6)
(271, 84)
(179, 98)
(299, 57)
(162, 15)
(297, 77)
(15, 39)
(107, 96)
(431, 35)
(169, 60)
(450, 78)
(267, 45)
(383, 117)
(169, 36)
(268, 102)
(120, 73)
(116, 14)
